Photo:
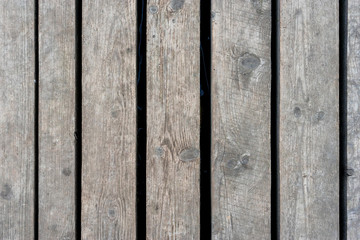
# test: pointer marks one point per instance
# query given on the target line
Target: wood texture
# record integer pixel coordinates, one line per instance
(173, 114)
(241, 84)
(109, 119)
(17, 119)
(309, 134)
(353, 120)
(56, 119)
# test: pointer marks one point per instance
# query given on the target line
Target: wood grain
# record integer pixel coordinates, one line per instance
(17, 119)
(173, 119)
(353, 120)
(309, 119)
(109, 119)
(241, 86)
(56, 119)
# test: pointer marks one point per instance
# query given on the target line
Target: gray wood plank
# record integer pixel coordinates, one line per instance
(56, 119)
(353, 120)
(109, 119)
(241, 87)
(309, 119)
(17, 119)
(173, 119)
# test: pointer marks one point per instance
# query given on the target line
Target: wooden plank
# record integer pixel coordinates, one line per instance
(353, 120)
(56, 119)
(173, 119)
(17, 119)
(241, 87)
(109, 119)
(309, 119)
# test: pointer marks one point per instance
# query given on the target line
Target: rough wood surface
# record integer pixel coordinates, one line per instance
(56, 119)
(309, 134)
(109, 119)
(241, 82)
(17, 119)
(173, 114)
(353, 120)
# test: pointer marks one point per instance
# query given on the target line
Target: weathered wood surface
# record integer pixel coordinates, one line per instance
(241, 83)
(109, 119)
(56, 119)
(309, 125)
(353, 120)
(17, 119)
(173, 119)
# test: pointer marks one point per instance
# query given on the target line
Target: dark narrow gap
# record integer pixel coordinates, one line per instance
(141, 122)
(78, 115)
(36, 120)
(274, 131)
(205, 120)
(343, 8)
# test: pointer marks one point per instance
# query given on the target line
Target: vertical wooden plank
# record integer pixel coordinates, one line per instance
(309, 119)
(241, 87)
(17, 119)
(173, 113)
(353, 120)
(56, 119)
(109, 119)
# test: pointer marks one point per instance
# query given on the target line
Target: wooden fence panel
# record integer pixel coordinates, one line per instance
(17, 119)
(109, 119)
(241, 83)
(56, 119)
(309, 119)
(353, 120)
(173, 114)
